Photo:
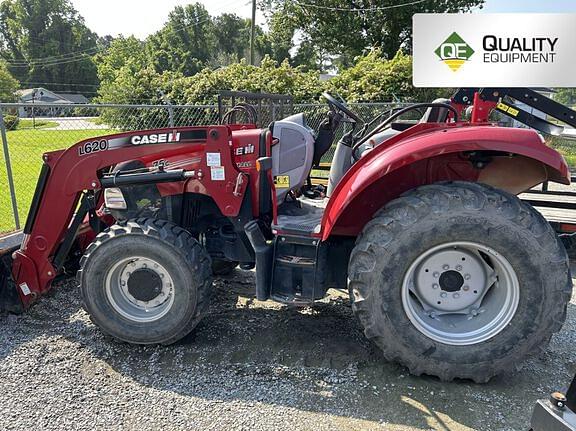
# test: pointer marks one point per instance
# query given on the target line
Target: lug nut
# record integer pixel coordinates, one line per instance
(436, 274)
(467, 277)
(466, 288)
(443, 295)
(458, 267)
(445, 267)
(456, 296)
(435, 286)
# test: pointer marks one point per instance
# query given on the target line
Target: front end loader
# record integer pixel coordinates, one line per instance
(448, 271)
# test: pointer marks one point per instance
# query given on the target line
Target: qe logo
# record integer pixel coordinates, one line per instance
(454, 52)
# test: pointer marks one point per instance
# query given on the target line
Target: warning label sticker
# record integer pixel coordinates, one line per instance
(217, 173)
(213, 159)
(282, 181)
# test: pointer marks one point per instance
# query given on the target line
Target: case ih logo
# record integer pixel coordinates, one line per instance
(156, 138)
(454, 51)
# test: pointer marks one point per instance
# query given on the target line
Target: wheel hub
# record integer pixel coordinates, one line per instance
(450, 281)
(144, 284)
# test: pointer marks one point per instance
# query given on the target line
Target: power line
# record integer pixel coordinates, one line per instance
(370, 9)
(57, 57)
(56, 63)
(72, 84)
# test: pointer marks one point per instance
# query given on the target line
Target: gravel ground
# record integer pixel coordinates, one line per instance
(249, 365)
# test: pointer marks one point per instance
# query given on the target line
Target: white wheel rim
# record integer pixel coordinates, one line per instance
(123, 296)
(460, 293)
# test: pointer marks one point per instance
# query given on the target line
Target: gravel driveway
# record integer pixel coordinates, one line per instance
(249, 365)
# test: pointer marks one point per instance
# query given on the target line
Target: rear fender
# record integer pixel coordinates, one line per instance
(424, 155)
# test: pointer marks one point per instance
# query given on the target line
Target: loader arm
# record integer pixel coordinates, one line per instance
(71, 181)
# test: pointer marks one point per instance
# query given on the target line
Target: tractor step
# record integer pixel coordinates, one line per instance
(296, 276)
(300, 218)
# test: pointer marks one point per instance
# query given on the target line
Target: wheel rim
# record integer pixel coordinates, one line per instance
(460, 293)
(140, 289)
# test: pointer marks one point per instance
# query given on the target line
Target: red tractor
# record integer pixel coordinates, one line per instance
(449, 272)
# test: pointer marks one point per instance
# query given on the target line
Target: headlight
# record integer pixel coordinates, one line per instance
(114, 199)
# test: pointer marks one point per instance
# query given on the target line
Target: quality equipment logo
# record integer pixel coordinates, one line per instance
(454, 52)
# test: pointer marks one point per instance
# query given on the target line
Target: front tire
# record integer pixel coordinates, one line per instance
(145, 281)
(459, 280)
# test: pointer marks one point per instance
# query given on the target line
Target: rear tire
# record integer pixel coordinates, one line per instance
(145, 281)
(392, 284)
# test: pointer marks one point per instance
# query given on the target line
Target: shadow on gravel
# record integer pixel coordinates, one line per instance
(312, 359)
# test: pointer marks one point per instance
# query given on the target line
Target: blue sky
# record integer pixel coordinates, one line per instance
(542, 6)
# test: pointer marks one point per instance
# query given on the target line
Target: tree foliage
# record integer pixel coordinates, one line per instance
(8, 84)
(124, 56)
(345, 29)
(192, 40)
(183, 44)
(375, 79)
(566, 96)
(46, 41)
(269, 77)
(372, 79)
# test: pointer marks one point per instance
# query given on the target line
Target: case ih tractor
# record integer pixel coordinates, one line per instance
(449, 272)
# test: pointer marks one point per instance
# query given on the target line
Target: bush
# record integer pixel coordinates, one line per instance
(376, 79)
(11, 122)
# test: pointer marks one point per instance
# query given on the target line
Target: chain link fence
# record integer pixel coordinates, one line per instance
(29, 131)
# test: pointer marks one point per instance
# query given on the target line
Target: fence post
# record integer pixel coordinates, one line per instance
(170, 115)
(170, 108)
(9, 170)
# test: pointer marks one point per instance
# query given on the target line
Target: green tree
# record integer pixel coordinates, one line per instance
(348, 29)
(192, 40)
(269, 77)
(124, 55)
(185, 43)
(375, 79)
(566, 96)
(8, 84)
(46, 41)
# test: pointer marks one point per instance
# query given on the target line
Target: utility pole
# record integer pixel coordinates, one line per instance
(253, 32)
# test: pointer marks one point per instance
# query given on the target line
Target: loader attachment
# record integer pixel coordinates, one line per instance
(64, 209)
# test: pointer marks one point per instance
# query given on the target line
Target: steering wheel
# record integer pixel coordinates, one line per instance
(336, 105)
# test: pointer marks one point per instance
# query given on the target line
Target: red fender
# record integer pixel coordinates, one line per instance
(424, 154)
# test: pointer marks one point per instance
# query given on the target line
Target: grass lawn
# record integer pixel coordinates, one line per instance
(566, 147)
(39, 124)
(26, 149)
